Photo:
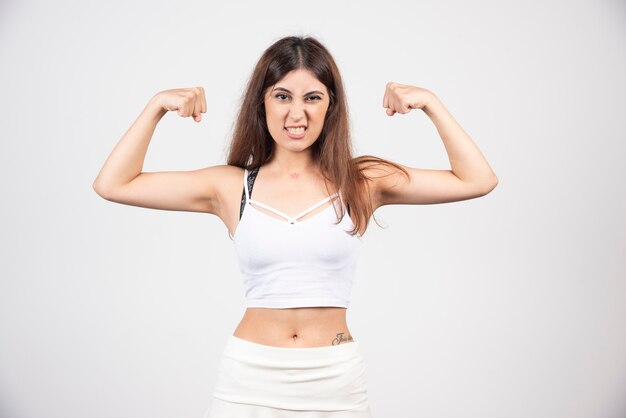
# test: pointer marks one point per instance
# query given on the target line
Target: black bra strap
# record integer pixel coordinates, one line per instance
(251, 177)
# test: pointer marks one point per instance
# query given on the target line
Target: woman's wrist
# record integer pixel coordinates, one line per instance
(432, 104)
(154, 108)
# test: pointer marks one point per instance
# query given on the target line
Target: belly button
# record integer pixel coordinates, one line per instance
(295, 336)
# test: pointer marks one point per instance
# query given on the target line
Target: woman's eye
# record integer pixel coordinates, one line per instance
(315, 97)
(280, 96)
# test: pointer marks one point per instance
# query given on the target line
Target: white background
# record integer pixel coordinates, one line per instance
(512, 305)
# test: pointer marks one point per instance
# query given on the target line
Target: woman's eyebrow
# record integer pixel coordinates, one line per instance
(284, 89)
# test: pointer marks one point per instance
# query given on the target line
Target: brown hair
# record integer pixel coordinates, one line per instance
(252, 144)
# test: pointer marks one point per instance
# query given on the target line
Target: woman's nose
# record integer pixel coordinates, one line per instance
(296, 111)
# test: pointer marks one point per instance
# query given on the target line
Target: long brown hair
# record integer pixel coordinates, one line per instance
(252, 144)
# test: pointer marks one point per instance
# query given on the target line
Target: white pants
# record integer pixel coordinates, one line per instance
(262, 381)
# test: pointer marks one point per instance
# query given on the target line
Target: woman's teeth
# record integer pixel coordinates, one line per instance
(295, 131)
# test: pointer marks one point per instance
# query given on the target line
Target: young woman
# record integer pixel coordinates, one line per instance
(298, 236)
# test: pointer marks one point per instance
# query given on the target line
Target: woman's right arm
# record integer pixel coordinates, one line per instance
(121, 178)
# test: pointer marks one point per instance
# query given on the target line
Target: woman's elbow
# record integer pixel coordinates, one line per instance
(100, 190)
(490, 185)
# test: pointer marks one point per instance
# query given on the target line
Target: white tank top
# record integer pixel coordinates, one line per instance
(290, 263)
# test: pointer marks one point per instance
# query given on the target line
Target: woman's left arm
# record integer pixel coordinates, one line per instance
(470, 176)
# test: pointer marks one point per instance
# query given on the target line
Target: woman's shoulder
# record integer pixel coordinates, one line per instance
(231, 174)
(223, 178)
(225, 172)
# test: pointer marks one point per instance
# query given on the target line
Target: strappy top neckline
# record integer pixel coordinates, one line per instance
(289, 219)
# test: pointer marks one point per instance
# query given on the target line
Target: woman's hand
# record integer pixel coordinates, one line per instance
(187, 101)
(401, 98)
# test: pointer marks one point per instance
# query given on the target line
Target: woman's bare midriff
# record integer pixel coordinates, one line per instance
(295, 327)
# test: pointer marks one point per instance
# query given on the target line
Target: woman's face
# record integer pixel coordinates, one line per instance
(295, 109)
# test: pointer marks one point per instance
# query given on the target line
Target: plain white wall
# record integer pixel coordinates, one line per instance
(512, 305)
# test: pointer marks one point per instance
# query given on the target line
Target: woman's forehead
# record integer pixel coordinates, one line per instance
(300, 81)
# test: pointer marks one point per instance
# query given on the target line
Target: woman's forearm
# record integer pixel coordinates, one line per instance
(466, 160)
(126, 160)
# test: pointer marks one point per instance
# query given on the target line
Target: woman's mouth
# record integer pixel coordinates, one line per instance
(295, 132)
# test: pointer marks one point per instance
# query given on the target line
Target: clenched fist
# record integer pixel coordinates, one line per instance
(187, 101)
(401, 98)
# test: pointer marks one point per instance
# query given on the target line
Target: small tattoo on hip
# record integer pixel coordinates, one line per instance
(340, 337)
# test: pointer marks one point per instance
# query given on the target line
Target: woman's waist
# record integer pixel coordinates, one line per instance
(295, 327)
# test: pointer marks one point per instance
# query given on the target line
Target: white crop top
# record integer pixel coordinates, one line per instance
(290, 263)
